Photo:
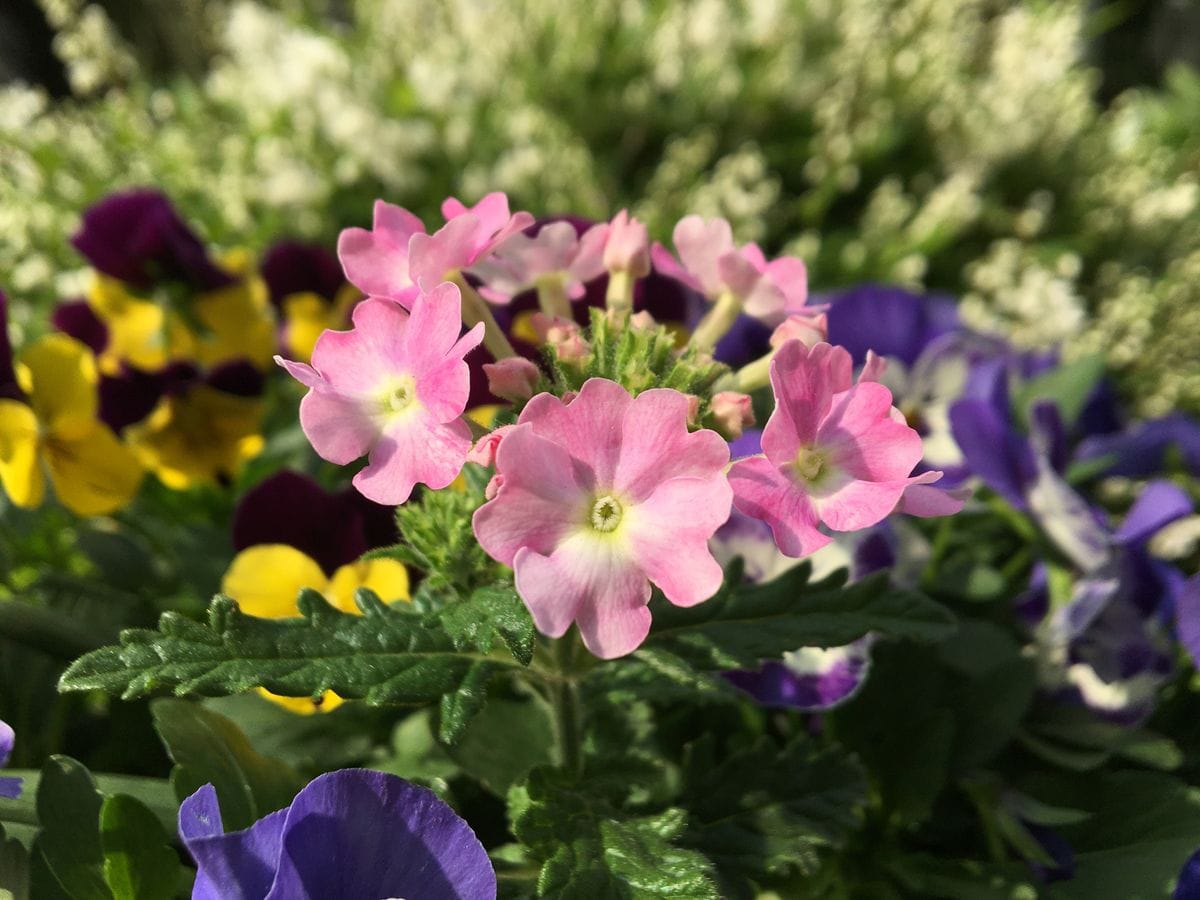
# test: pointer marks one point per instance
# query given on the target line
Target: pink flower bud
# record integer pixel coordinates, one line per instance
(493, 487)
(573, 348)
(628, 246)
(484, 451)
(568, 397)
(642, 321)
(513, 378)
(552, 329)
(808, 327)
(693, 410)
(733, 412)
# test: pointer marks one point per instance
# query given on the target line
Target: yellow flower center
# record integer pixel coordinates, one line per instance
(809, 464)
(401, 395)
(606, 513)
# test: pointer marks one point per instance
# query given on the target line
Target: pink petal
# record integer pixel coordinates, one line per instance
(790, 275)
(413, 451)
(666, 264)
(434, 327)
(590, 429)
(373, 263)
(589, 255)
(305, 374)
(337, 426)
(802, 381)
(919, 499)
(539, 501)
(761, 491)
(873, 368)
(700, 244)
(863, 438)
(589, 581)
(434, 257)
(356, 361)
(443, 391)
(396, 222)
(669, 534)
(858, 504)
(656, 445)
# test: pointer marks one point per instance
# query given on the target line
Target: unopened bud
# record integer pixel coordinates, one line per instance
(810, 328)
(513, 378)
(484, 451)
(733, 412)
(628, 246)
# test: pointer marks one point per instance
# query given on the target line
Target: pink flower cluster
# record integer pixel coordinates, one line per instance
(599, 495)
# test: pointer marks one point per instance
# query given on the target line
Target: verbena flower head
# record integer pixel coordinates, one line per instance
(712, 264)
(394, 387)
(376, 261)
(354, 834)
(9, 787)
(557, 253)
(469, 236)
(597, 500)
(836, 454)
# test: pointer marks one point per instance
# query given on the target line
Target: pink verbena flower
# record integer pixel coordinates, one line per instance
(836, 453)
(627, 246)
(393, 387)
(714, 265)
(376, 261)
(555, 253)
(597, 499)
(469, 235)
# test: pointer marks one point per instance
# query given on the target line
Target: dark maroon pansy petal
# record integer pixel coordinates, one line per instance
(137, 237)
(668, 300)
(237, 377)
(129, 397)
(77, 319)
(293, 267)
(9, 389)
(290, 508)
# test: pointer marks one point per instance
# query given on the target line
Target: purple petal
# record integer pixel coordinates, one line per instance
(357, 833)
(888, 320)
(293, 267)
(80, 321)
(993, 451)
(749, 444)
(1159, 504)
(1187, 617)
(1047, 433)
(9, 390)
(240, 865)
(745, 342)
(137, 237)
(128, 398)
(1068, 519)
(333, 529)
(1141, 451)
(874, 553)
(810, 679)
(1188, 885)
(1033, 604)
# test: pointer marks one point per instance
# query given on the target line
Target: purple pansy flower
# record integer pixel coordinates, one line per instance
(888, 320)
(79, 320)
(9, 787)
(1142, 450)
(9, 389)
(1187, 887)
(295, 267)
(353, 834)
(138, 238)
(331, 528)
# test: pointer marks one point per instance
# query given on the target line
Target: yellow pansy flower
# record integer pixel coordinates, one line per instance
(265, 580)
(59, 433)
(307, 316)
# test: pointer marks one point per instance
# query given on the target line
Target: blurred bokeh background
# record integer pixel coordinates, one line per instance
(1038, 160)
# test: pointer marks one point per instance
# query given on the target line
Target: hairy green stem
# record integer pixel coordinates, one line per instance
(564, 698)
(620, 291)
(475, 310)
(717, 321)
(553, 297)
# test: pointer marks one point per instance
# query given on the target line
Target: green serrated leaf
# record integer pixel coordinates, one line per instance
(139, 863)
(743, 625)
(490, 612)
(587, 848)
(208, 748)
(505, 741)
(767, 810)
(388, 655)
(68, 845)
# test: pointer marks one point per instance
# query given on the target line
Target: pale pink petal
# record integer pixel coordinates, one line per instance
(484, 451)
(518, 223)
(790, 275)
(540, 499)
(873, 368)
(434, 327)
(589, 429)
(491, 211)
(305, 374)
(588, 580)
(373, 263)
(864, 440)
(761, 491)
(443, 391)
(337, 426)
(700, 244)
(588, 262)
(666, 264)
(669, 534)
(357, 361)
(858, 504)
(627, 246)
(432, 258)
(802, 381)
(413, 451)
(396, 222)
(919, 499)
(657, 446)
(452, 208)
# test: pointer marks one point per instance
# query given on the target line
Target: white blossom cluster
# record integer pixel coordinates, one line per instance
(951, 144)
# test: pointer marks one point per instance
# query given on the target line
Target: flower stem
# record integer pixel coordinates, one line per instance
(568, 721)
(752, 376)
(475, 310)
(553, 299)
(717, 321)
(620, 291)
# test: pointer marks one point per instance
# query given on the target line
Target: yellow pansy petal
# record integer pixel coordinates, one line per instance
(201, 435)
(307, 316)
(485, 415)
(305, 706)
(20, 470)
(386, 577)
(59, 375)
(266, 580)
(239, 321)
(522, 327)
(135, 326)
(93, 474)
